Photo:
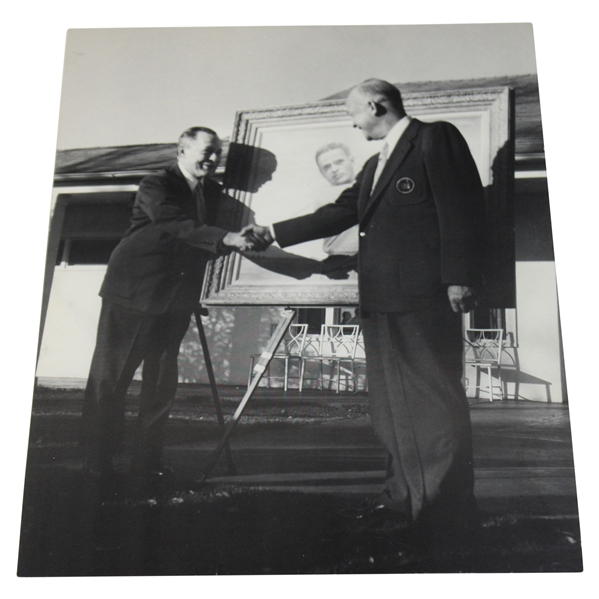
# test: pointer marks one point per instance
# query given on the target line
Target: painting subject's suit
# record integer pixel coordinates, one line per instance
(152, 286)
(420, 231)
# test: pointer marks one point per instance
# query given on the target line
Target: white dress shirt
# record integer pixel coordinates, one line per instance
(191, 180)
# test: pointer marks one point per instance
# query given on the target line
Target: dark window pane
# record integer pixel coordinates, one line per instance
(488, 319)
(91, 251)
(101, 220)
(313, 317)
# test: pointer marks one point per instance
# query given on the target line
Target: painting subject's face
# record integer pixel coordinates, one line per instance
(336, 167)
(200, 156)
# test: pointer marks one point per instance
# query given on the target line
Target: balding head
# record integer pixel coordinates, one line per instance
(375, 106)
(382, 92)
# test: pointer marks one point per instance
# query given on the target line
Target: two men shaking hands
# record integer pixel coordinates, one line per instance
(252, 237)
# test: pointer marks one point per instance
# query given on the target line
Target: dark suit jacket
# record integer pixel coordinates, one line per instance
(159, 265)
(420, 229)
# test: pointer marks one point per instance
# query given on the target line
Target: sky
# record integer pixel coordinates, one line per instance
(130, 86)
(32, 39)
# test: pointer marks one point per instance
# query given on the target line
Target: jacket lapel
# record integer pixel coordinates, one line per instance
(187, 196)
(404, 145)
(181, 182)
(366, 184)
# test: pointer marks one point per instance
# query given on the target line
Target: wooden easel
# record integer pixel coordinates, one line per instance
(213, 387)
(258, 372)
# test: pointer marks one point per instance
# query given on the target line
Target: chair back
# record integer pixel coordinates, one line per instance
(339, 340)
(483, 346)
(294, 340)
(360, 348)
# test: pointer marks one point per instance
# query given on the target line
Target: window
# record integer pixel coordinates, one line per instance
(313, 317)
(93, 225)
(85, 251)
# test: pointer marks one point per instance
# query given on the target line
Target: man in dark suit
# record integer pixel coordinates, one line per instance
(151, 288)
(419, 205)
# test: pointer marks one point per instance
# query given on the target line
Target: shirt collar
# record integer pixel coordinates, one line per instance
(191, 180)
(396, 132)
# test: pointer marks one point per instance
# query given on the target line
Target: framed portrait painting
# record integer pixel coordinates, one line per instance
(274, 171)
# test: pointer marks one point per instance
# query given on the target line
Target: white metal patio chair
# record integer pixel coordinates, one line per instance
(291, 348)
(482, 351)
(337, 349)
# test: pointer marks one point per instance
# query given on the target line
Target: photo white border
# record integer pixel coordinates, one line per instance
(33, 35)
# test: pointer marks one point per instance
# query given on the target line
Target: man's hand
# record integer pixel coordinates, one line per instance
(338, 266)
(260, 237)
(461, 298)
(238, 241)
(251, 237)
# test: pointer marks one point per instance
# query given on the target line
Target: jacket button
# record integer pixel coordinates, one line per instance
(362, 234)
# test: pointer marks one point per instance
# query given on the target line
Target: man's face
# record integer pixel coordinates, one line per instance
(200, 156)
(363, 115)
(336, 167)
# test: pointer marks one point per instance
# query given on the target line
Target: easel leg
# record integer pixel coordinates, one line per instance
(212, 379)
(259, 369)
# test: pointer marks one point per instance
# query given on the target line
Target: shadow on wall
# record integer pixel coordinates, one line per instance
(499, 290)
(248, 167)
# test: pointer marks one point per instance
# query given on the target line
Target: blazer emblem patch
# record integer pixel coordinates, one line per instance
(405, 185)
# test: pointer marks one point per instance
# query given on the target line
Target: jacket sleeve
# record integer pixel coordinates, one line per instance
(159, 201)
(460, 204)
(329, 220)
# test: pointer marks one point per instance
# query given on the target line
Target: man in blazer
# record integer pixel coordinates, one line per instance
(420, 213)
(152, 285)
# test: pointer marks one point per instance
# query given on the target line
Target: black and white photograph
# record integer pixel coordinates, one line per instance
(298, 312)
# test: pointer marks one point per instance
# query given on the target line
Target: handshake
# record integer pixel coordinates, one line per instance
(250, 238)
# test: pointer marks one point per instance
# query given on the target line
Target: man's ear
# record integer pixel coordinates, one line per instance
(378, 109)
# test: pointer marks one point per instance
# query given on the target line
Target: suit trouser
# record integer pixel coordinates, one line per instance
(125, 339)
(419, 410)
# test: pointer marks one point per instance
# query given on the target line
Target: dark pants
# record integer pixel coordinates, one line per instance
(419, 410)
(125, 339)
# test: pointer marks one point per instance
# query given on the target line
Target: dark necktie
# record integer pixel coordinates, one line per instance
(198, 194)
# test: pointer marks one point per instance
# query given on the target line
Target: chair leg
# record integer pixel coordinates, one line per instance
(286, 374)
(332, 375)
(301, 381)
(490, 383)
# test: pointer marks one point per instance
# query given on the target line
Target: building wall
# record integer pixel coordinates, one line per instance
(70, 331)
(72, 318)
(538, 336)
(532, 358)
